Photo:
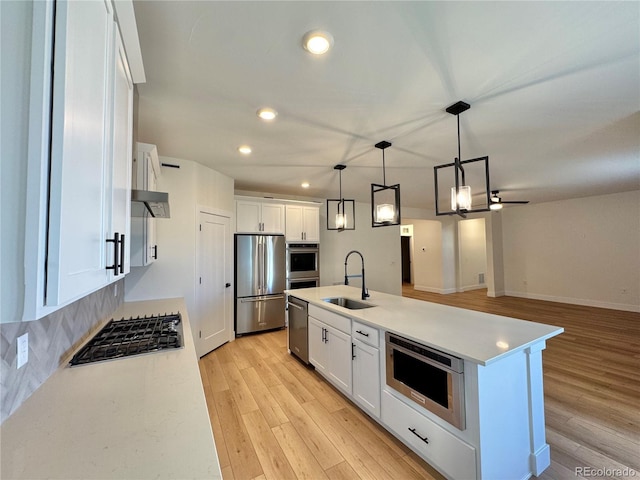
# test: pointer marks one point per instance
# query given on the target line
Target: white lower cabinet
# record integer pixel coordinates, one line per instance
(442, 449)
(318, 353)
(330, 347)
(366, 377)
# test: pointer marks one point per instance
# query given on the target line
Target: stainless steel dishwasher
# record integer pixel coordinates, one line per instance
(298, 328)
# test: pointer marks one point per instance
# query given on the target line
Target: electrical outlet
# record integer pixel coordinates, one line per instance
(23, 350)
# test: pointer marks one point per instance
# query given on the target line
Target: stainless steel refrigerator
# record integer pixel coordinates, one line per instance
(260, 278)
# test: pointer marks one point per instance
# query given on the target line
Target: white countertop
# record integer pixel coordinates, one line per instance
(479, 337)
(133, 418)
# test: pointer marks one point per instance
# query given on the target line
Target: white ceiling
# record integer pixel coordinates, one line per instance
(554, 89)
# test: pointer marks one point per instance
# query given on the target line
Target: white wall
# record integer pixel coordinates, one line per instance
(427, 255)
(472, 245)
(173, 274)
(380, 247)
(584, 251)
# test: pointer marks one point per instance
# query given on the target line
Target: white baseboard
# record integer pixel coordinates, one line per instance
(575, 301)
(477, 286)
(443, 291)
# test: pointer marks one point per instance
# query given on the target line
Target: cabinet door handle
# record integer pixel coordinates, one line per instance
(353, 351)
(362, 333)
(424, 439)
(155, 252)
(116, 243)
(227, 285)
(122, 245)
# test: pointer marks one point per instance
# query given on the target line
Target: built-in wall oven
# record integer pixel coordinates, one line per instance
(303, 260)
(293, 283)
(431, 378)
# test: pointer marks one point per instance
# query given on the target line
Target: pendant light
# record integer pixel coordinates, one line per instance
(461, 195)
(341, 214)
(385, 199)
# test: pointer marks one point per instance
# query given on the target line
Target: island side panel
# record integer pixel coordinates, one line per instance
(511, 416)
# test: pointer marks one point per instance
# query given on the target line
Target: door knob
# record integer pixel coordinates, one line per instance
(227, 285)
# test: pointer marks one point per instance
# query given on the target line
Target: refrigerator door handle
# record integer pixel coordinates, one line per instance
(264, 266)
(261, 299)
(260, 265)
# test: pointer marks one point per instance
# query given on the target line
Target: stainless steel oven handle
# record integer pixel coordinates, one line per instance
(422, 358)
(260, 299)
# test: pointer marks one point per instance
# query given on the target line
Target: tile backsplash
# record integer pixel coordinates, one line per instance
(51, 340)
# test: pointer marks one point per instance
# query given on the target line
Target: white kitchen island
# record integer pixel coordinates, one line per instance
(137, 417)
(504, 434)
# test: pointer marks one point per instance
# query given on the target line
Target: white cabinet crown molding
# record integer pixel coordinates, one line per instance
(128, 28)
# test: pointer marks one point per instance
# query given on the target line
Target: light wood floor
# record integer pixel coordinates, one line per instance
(274, 418)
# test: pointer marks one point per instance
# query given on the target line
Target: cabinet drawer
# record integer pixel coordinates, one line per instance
(365, 334)
(445, 451)
(333, 319)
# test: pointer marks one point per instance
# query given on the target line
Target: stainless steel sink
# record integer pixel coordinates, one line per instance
(348, 303)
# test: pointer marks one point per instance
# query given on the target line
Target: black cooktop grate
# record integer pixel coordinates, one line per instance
(132, 336)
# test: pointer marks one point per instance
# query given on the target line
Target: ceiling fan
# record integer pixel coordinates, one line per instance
(497, 202)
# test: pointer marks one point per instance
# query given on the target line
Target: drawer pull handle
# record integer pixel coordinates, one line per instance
(424, 439)
(362, 333)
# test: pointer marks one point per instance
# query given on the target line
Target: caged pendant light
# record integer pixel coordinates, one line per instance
(461, 195)
(341, 214)
(385, 199)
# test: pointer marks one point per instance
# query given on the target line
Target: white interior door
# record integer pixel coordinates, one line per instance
(211, 323)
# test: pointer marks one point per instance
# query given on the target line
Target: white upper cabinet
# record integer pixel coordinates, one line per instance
(144, 246)
(122, 138)
(254, 216)
(80, 149)
(303, 223)
(77, 230)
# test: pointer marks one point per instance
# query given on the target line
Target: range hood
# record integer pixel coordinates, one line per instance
(155, 203)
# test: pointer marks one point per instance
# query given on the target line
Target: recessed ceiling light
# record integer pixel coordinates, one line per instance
(317, 42)
(305, 185)
(267, 113)
(244, 149)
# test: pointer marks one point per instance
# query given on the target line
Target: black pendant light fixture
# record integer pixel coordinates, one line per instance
(341, 213)
(461, 195)
(385, 199)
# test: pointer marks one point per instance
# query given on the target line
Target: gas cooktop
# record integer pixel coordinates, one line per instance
(132, 336)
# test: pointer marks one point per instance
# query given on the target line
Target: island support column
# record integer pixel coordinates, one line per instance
(540, 452)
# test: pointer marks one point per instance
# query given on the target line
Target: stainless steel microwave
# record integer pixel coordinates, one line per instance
(429, 377)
